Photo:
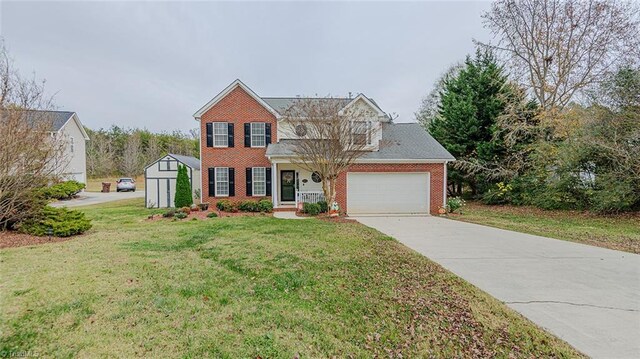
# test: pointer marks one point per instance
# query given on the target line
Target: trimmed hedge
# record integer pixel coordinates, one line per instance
(312, 209)
(63, 190)
(263, 205)
(62, 221)
(324, 206)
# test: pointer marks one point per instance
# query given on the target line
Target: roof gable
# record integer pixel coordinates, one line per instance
(226, 91)
(366, 100)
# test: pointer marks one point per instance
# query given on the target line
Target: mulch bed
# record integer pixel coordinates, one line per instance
(10, 239)
(203, 215)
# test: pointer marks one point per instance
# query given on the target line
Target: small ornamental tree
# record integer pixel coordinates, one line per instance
(330, 138)
(183, 196)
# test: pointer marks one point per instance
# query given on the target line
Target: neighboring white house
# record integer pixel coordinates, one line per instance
(160, 179)
(67, 125)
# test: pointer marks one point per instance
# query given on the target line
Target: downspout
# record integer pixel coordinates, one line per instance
(444, 186)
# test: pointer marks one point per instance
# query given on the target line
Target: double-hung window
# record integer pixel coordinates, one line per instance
(361, 133)
(72, 145)
(222, 181)
(220, 134)
(258, 135)
(259, 181)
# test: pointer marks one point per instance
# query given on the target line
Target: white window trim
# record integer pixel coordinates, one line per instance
(264, 134)
(215, 175)
(213, 130)
(253, 182)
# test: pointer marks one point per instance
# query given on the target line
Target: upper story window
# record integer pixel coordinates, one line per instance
(258, 135)
(72, 146)
(361, 132)
(220, 134)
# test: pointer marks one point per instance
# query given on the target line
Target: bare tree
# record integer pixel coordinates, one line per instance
(329, 138)
(31, 154)
(560, 47)
(132, 155)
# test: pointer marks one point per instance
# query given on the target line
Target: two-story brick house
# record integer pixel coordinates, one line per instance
(246, 153)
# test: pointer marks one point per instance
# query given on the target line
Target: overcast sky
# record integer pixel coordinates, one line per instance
(153, 64)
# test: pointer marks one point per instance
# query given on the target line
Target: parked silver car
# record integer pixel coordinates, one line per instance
(125, 184)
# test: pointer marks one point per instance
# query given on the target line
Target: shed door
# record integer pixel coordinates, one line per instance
(387, 193)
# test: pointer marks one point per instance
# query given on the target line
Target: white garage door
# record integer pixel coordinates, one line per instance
(387, 193)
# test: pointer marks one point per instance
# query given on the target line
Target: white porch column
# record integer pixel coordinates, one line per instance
(274, 184)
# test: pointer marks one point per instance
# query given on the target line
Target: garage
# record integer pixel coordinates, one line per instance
(387, 193)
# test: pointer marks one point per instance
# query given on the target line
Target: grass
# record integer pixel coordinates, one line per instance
(95, 184)
(247, 287)
(621, 232)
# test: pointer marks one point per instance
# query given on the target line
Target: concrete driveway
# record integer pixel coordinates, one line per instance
(89, 198)
(588, 296)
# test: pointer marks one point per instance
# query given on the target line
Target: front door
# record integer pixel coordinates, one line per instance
(287, 186)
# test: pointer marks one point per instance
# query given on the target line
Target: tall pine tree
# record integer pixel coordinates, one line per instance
(183, 196)
(470, 102)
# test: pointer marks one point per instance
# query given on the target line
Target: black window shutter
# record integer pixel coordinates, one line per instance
(230, 134)
(209, 134)
(249, 182)
(267, 133)
(247, 135)
(267, 173)
(232, 182)
(212, 182)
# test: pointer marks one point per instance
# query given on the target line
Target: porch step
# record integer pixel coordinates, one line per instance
(285, 209)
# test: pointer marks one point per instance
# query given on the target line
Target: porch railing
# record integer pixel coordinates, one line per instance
(309, 197)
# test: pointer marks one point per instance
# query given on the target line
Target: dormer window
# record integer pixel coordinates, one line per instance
(361, 133)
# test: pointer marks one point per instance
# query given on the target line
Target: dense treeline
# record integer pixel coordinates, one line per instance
(119, 151)
(535, 127)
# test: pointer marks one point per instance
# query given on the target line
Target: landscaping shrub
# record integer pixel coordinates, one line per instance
(212, 215)
(181, 215)
(265, 205)
(324, 206)
(311, 208)
(63, 190)
(169, 214)
(62, 221)
(248, 206)
(183, 197)
(454, 204)
(226, 206)
(185, 210)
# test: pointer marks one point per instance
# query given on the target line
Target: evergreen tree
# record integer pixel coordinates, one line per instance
(183, 196)
(470, 103)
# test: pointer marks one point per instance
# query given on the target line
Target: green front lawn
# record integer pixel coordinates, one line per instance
(247, 287)
(621, 232)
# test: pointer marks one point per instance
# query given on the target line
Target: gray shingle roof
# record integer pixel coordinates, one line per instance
(57, 118)
(400, 141)
(187, 160)
(282, 104)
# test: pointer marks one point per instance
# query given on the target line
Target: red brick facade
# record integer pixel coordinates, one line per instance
(238, 108)
(436, 176)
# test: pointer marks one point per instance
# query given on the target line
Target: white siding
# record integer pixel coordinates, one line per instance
(75, 162)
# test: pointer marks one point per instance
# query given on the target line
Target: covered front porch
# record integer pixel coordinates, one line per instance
(293, 185)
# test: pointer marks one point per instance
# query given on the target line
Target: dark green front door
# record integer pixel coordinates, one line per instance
(288, 186)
